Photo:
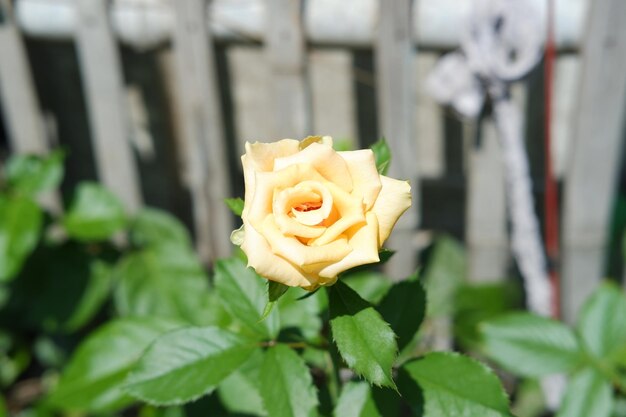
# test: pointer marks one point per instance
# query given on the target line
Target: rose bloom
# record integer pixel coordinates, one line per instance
(311, 213)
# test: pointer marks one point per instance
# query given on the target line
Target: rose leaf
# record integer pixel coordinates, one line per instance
(235, 205)
(447, 384)
(92, 380)
(382, 155)
(286, 385)
(187, 363)
(95, 213)
(365, 341)
(275, 290)
(403, 307)
(530, 345)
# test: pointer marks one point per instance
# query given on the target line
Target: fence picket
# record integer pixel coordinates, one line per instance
(22, 115)
(104, 90)
(596, 153)
(395, 80)
(204, 153)
(286, 55)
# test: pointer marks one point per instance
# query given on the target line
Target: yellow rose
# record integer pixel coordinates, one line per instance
(311, 213)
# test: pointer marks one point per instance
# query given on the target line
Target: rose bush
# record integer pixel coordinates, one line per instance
(311, 213)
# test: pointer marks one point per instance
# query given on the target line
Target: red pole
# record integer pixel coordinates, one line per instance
(551, 202)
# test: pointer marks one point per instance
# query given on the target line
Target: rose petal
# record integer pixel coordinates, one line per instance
(298, 253)
(350, 212)
(268, 182)
(393, 200)
(324, 159)
(365, 177)
(271, 266)
(262, 155)
(364, 244)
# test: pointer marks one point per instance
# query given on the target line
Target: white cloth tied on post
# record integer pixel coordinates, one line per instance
(502, 43)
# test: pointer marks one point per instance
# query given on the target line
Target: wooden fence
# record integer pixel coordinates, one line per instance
(292, 72)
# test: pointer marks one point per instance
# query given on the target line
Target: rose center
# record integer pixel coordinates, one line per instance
(308, 206)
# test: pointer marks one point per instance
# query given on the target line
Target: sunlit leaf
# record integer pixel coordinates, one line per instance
(365, 341)
(286, 384)
(94, 214)
(20, 226)
(186, 364)
(449, 384)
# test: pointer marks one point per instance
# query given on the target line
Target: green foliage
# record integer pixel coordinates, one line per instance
(530, 345)
(33, 174)
(356, 400)
(382, 155)
(592, 354)
(588, 394)
(365, 341)
(602, 324)
(285, 384)
(156, 228)
(106, 324)
(443, 276)
(93, 379)
(162, 281)
(240, 391)
(94, 214)
(243, 294)
(185, 364)
(451, 384)
(20, 225)
(403, 308)
(235, 205)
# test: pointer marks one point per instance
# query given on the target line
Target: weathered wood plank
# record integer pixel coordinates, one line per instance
(22, 115)
(104, 90)
(486, 234)
(395, 80)
(428, 121)
(286, 53)
(204, 153)
(332, 91)
(598, 134)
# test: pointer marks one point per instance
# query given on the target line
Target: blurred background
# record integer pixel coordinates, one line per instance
(155, 99)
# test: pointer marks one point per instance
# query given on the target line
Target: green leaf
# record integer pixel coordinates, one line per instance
(186, 364)
(443, 276)
(243, 294)
(476, 303)
(302, 315)
(531, 345)
(20, 226)
(370, 285)
(601, 323)
(61, 288)
(356, 401)
(587, 394)
(163, 281)
(32, 174)
(365, 341)
(286, 384)
(275, 290)
(403, 308)
(454, 385)
(235, 205)
(93, 379)
(95, 213)
(154, 227)
(382, 155)
(239, 392)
